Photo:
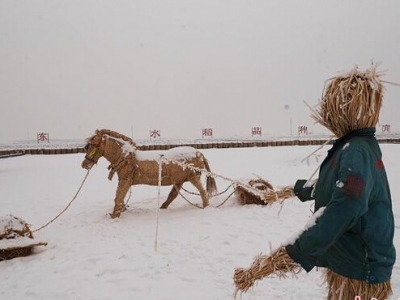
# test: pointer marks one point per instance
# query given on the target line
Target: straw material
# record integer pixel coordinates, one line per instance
(16, 239)
(12, 227)
(351, 101)
(6, 254)
(120, 151)
(343, 288)
(14, 252)
(97, 137)
(261, 192)
(246, 195)
(279, 195)
(278, 263)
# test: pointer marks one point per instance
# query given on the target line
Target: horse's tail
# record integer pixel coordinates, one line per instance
(211, 185)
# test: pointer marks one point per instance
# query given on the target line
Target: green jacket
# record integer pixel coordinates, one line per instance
(354, 235)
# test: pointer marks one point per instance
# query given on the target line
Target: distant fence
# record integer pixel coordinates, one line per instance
(202, 145)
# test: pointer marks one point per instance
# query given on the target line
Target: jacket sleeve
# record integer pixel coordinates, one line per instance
(348, 203)
(304, 193)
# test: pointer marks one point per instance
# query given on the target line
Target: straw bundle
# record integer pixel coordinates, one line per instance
(350, 101)
(261, 192)
(16, 239)
(12, 227)
(253, 196)
(278, 263)
(6, 254)
(279, 195)
(341, 287)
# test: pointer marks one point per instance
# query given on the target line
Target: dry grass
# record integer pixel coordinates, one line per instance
(279, 195)
(277, 264)
(6, 254)
(10, 253)
(255, 194)
(12, 226)
(351, 101)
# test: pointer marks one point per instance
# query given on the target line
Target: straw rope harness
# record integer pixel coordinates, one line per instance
(211, 174)
(197, 194)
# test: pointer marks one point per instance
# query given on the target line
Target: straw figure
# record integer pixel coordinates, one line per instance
(351, 232)
(16, 239)
(137, 167)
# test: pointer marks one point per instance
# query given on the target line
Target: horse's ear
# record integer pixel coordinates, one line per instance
(97, 131)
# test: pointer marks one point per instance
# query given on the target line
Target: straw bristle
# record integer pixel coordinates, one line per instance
(253, 193)
(279, 263)
(6, 254)
(351, 101)
(12, 227)
(260, 191)
(341, 287)
(279, 195)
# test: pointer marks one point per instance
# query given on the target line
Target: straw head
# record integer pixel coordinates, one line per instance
(351, 101)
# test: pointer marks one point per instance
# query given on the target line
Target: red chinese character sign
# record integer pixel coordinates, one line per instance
(207, 133)
(302, 130)
(386, 128)
(43, 138)
(155, 134)
(256, 131)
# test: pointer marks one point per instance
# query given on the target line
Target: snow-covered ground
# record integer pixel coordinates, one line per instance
(90, 256)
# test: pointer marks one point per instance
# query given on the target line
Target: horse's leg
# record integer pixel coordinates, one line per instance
(172, 195)
(119, 206)
(197, 183)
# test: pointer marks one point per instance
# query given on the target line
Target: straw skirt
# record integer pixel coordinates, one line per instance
(343, 288)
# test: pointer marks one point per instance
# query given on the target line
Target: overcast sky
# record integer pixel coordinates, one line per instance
(70, 67)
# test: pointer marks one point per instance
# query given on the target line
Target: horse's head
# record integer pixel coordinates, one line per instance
(94, 150)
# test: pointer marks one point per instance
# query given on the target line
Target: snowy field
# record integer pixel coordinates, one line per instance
(90, 256)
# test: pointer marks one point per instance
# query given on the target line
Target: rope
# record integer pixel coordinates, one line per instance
(198, 206)
(69, 204)
(197, 194)
(226, 199)
(195, 205)
(189, 192)
(214, 175)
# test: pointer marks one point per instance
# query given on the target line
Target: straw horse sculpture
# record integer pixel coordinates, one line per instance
(137, 167)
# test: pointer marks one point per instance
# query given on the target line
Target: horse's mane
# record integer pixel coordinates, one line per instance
(101, 132)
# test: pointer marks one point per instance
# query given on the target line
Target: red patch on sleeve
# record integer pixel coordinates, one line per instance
(379, 164)
(354, 186)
